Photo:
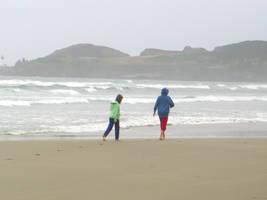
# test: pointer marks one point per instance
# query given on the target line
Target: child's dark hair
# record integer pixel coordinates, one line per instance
(119, 98)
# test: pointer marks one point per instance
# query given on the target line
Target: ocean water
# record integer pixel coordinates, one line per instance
(71, 107)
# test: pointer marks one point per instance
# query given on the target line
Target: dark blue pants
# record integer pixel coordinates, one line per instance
(110, 126)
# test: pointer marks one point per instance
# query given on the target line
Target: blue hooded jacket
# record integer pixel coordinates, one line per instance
(163, 103)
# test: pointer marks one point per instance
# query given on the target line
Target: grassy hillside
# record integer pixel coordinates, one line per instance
(86, 50)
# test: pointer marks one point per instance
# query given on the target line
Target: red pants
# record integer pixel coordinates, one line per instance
(163, 123)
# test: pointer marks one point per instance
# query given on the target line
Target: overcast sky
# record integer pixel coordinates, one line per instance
(35, 28)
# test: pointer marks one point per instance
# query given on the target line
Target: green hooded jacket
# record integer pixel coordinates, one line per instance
(114, 110)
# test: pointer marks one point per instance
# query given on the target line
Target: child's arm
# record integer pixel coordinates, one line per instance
(117, 113)
(156, 106)
(171, 102)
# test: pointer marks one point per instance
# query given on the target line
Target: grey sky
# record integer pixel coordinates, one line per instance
(35, 28)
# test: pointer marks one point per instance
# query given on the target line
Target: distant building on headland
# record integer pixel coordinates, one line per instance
(2, 61)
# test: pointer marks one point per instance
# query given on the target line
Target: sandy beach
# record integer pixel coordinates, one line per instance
(134, 169)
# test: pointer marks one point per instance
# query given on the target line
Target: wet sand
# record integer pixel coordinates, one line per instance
(194, 169)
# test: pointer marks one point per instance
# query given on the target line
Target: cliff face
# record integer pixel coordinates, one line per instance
(245, 61)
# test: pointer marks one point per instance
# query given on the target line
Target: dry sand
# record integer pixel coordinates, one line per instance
(227, 169)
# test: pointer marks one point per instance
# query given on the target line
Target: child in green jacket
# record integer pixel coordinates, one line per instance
(114, 118)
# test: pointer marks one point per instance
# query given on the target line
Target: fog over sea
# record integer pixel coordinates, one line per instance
(79, 108)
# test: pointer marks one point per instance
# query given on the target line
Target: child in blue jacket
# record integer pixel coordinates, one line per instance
(163, 105)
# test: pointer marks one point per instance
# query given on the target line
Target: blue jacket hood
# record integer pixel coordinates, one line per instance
(164, 92)
(163, 103)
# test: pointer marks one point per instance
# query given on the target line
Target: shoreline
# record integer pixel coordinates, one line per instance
(131, 78)
(185, 131)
